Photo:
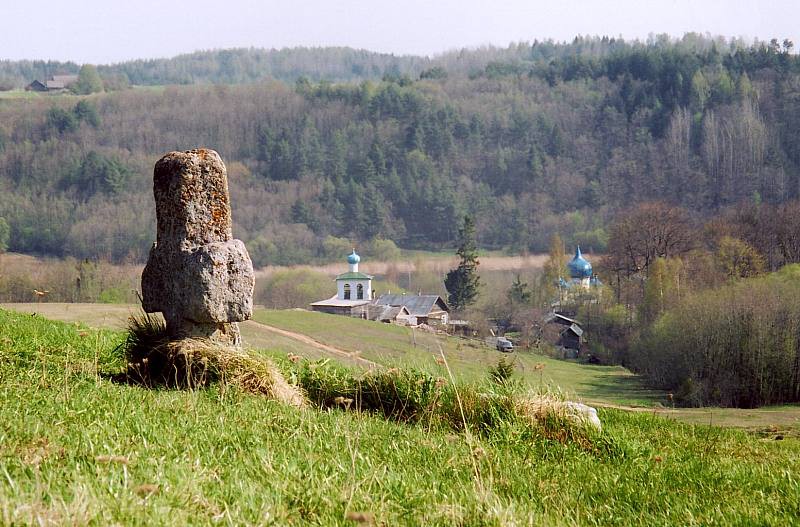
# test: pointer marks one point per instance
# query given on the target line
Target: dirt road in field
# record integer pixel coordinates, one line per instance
(115, 316)
(347, 355)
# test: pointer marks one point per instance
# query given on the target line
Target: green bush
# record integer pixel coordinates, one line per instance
(737, 345)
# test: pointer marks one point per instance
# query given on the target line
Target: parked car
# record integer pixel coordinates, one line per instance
(504, 345)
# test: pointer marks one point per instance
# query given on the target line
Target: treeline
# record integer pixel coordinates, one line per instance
(527, 150)
(738, 345)
(230, 66)
(555, 61)
(704, 308)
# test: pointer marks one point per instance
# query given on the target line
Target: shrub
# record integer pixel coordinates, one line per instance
(399, 394)
(414, 396)
(502, 372)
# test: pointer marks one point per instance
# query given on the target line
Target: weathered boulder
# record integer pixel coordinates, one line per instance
(582, 414)
(197, 275)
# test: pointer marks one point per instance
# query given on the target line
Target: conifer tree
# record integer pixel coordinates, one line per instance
(462, 283)
(519, 292)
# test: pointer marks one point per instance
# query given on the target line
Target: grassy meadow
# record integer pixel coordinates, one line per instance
(78, 449)
(393, 345)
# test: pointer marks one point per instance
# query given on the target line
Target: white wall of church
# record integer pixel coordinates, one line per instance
(365, 284)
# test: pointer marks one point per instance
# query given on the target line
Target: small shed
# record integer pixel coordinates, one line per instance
(571, 337)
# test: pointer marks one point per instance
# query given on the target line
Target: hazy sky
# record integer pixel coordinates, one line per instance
(102, 31)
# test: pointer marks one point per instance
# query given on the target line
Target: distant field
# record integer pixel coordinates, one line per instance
(394, 346)
(412, 261)
(22, 94)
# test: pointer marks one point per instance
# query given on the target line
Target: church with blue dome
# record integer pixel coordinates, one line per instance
(580, 273)
(353, 291)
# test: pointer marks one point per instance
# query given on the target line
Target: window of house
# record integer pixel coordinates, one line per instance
(360, 292)
(347, 291)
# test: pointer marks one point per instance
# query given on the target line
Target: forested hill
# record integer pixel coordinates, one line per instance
(531, 140)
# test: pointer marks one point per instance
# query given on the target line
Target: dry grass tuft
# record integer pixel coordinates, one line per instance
(361, 518)
(146, 489)
(155, 360)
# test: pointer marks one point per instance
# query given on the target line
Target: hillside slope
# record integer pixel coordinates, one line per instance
(609, 386)
(79, 449)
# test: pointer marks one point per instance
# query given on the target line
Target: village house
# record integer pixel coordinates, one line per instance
(563, 332)
(423, 309)
(36, 86)
(388, 314)
(56, 83)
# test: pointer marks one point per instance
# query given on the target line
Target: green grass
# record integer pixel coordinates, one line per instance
(394, 345)
(22, 94)
(17, 94)
(78, 449)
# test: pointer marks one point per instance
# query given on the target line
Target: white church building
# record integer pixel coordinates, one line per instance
(356, 298)
(353, 292)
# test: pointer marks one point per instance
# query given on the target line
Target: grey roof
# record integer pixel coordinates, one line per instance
(334, 301)
(66, 79)
(575, 328)
(54, 85)
(417, 305)
(552, 317)
(383, 312)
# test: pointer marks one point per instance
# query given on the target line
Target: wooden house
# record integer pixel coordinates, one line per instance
(571, 338)
(54, 84)
(423, 309)
(563, 331)
(388, 314)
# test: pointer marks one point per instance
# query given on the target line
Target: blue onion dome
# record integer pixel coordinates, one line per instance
(579, 267)
(353, 258)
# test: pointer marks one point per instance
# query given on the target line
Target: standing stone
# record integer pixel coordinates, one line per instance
(197, 275)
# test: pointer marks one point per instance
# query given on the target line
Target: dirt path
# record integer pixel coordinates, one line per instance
(110, 316)
(351, 356)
